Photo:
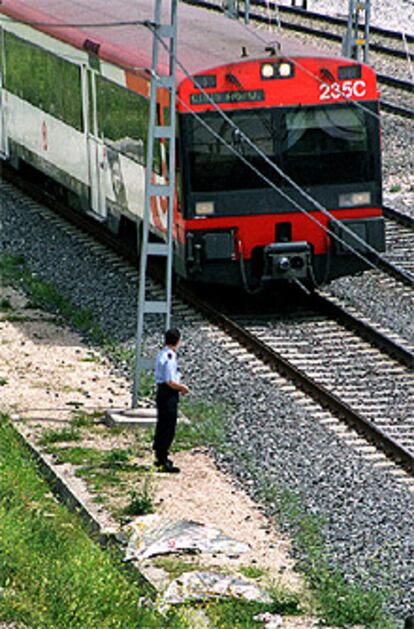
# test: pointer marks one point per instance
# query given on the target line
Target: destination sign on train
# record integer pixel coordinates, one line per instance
(228, 97)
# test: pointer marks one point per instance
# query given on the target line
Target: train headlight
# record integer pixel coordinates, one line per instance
(278, 70)
(268, 70)
(354, 199)
(204, 208)
(285, 70)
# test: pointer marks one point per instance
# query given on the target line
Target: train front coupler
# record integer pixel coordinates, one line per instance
(290, 261)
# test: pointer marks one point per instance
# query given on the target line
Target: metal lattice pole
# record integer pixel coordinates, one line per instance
(359, 16)
(164, 35)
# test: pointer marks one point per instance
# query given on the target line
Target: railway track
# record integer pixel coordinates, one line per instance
(338, 369)
(400, 238)
(269, 13)
(340, 360)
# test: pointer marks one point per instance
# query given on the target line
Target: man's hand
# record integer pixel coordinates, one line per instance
(184, 389)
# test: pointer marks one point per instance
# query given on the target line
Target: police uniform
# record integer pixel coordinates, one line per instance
(166, 370)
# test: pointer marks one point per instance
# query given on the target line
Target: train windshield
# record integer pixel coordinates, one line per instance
(312, 145)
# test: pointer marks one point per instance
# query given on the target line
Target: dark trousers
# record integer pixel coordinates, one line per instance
(167, 408)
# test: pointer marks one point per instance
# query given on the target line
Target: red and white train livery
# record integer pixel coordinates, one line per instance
(75, 105)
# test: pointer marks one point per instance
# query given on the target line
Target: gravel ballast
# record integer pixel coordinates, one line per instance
(397, 15)
(368, 513)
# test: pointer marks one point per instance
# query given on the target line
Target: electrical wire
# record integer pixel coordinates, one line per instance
(114, 24)
(272, 185)
(295, 62)
(281, 173)
(153, 27)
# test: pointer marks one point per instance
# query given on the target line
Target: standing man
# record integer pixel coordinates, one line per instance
(167, 378)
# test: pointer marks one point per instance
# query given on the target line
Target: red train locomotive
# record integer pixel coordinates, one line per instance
(75, 108)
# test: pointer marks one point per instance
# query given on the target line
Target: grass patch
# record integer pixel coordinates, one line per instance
(64, 434)
(206, 426)
(51, 573)
(141, 500)
(251, 572)
(82, 419)
(45, 295)
(90, 358)
(176, 566)
(339, 602)
(77, 455)
(5, 304)
(100, 479)
(239, 614)
(395, 188)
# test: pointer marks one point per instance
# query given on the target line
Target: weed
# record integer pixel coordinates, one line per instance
(77, 455)
(206, 426)
(141, 501)
(64, 434)
(90, 358)
(396, 187)
(45, 295)
(5, 304)
(3, 382)
(99, 478)
(251, 572)
(82, 419)
(340, 603)
(239, 614)
(116, 458)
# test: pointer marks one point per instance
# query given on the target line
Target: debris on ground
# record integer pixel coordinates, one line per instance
(192, 586)
(152, 535)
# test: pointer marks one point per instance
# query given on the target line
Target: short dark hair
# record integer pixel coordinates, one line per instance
(172, 336)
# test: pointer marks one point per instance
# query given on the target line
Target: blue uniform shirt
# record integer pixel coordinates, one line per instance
(166, 368)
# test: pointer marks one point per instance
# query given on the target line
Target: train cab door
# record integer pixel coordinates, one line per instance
(4, 145)
(95, 146)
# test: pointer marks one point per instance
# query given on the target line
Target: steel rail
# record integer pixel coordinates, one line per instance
(398, 216)
(307, 30)
(394, 108)
(323, 303)
(318, 392)
(399, 84)
(329, 19)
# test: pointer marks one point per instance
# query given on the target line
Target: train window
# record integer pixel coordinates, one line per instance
(46, 81)
(123, 119)
(327, 145)
(214, 163)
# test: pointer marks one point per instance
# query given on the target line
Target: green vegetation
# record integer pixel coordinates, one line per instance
(77, 455)
(340, 603)
(5, 304)
(238, 614)
(395, 188)
(51, 574)
(45, 295)
(82, 419)
(205, 428)
(141, 500)
(251, 572)
(64, 434)
(3, 382)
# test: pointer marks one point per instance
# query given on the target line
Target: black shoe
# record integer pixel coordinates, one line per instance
(166, 467)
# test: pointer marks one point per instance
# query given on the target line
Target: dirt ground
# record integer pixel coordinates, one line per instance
(47, 373)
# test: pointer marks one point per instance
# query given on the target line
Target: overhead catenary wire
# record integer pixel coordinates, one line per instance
(113, 24)
(315, 203)
(284, 194)
(297, 63)
(153, 28)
